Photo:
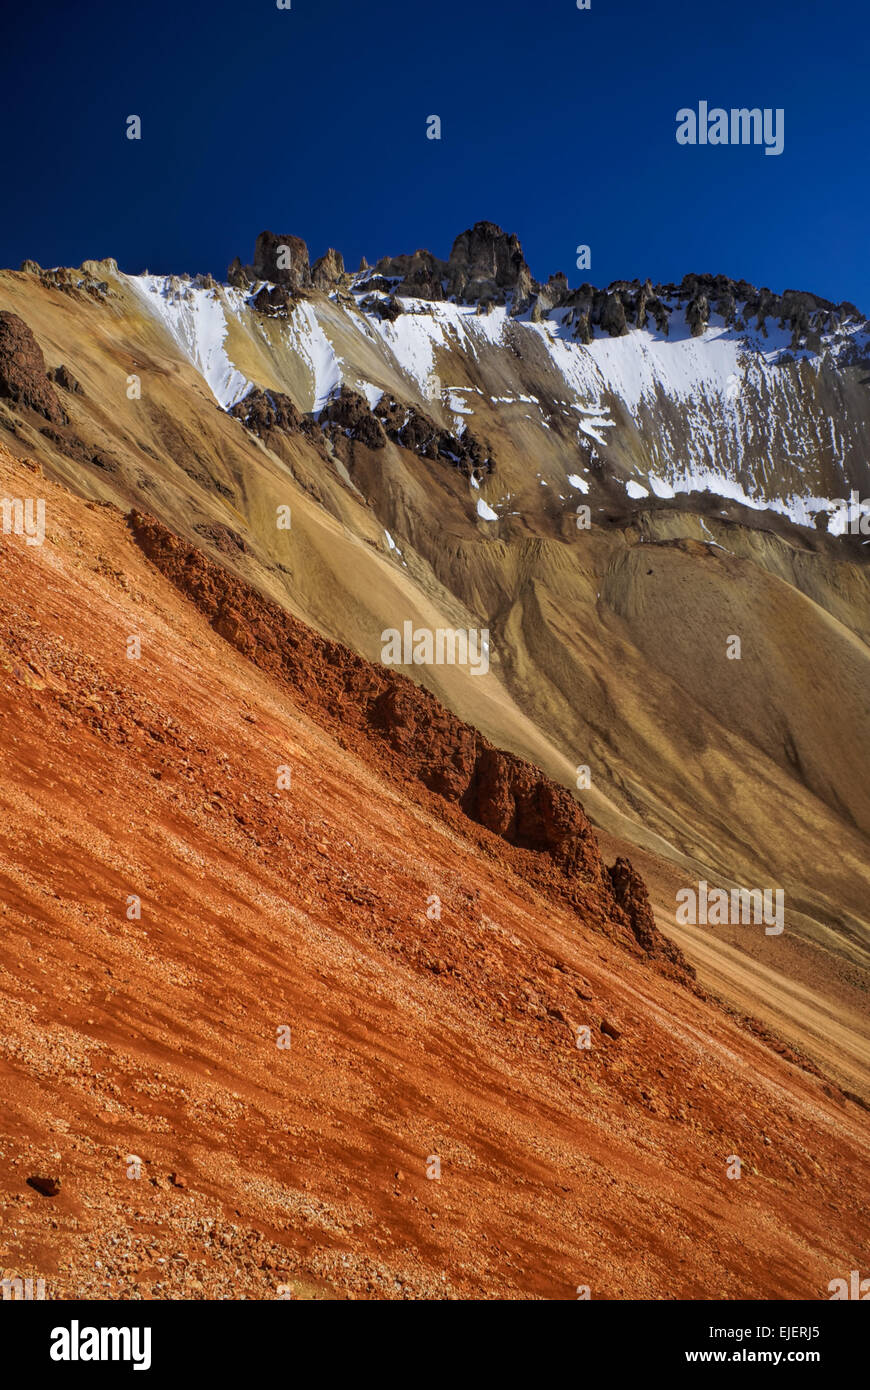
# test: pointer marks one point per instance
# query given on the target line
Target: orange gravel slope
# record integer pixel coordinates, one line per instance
(305, 914)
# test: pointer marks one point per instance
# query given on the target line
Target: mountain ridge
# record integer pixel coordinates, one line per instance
(486, 262)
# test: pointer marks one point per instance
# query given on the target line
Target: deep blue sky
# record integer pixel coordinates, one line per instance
(557, 123)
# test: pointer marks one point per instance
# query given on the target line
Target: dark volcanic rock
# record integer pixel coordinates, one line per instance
(23, 378)
(239, 276)
(68, 443)
(698, 314)
(419, 276)
(328, 271)
(422, 277)
(417, 431)
(388, 309)
(487, 263)
(63, 377)
(349, 413)
(611, 315)
(283, 260)
(487, 267)
(408, 426)
(275, 303)
(262, 411)
(100, 459)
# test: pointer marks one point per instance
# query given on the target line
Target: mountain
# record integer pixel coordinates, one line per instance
(309, 991)
(417, 443)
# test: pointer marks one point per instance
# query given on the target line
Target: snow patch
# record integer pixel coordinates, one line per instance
(195, 319)
(659, 486)
(309, 340)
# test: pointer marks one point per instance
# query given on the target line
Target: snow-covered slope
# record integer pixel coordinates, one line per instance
(196, 318)
(731, 410)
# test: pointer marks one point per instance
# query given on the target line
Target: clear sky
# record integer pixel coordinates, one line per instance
(557, 123)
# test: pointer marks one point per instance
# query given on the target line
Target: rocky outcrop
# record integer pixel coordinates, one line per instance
(348, 413)
(518, 803)
(63, 377)
(614, 311)
(415, 430)
(241, 277)
(328, 272)
(486, 267)
(262, 411)
(280, 259)
(418, 276)
(87, 280)
(348, 417)
(698, 314)
(610, 315)
(553, 293)
(647, 304)
(627, 304)
(274, 303)
(417, 740)
(23, 377)
(386, 309)
(630, 892)
(807, 315)
(487, 264)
